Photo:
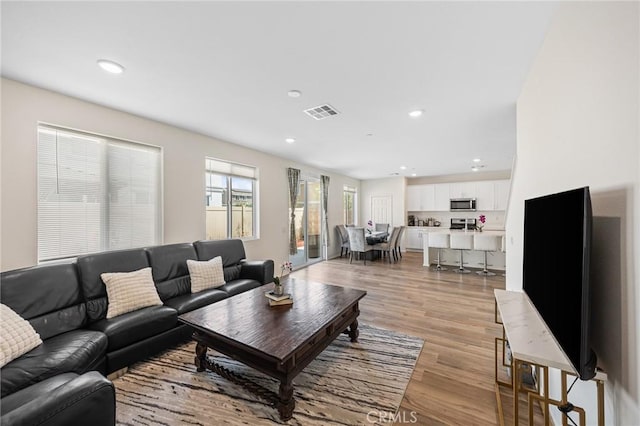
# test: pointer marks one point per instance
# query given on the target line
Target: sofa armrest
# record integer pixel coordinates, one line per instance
(259, 270)
(87, 399)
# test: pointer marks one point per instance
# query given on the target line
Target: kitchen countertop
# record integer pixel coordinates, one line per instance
(446, 229)
(485, 230)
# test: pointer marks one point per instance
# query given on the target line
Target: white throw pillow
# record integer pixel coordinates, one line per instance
(17, 336)
(206, 274)
(130, 291)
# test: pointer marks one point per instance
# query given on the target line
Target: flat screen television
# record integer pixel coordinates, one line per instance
(557, 246)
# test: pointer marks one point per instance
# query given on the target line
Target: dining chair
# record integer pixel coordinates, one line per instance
(358, 243)
(382, 227)
(344, 237)
(397, 249)
(389, 246)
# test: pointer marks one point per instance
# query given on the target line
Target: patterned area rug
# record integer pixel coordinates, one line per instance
(349, 383)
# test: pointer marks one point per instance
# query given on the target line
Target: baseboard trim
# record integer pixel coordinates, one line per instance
(118, 373)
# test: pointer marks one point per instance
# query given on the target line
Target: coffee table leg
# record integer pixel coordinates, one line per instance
(285, 403)
(201, 357)
(353, 331)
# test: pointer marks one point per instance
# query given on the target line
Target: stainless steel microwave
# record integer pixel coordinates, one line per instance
(462, 205)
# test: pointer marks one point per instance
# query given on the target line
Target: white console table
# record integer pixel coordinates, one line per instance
(533, 346)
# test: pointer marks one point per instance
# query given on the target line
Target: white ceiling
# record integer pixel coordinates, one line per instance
(223, 69)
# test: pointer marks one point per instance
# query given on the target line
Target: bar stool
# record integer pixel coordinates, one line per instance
(486, 243)
(440, 241)
(461, 241)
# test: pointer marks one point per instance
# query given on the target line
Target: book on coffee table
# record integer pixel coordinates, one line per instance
(271, 295)
(282, 302)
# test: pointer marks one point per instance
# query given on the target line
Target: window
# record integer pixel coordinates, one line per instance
(349, 205)
(95, 194)
(230, 200)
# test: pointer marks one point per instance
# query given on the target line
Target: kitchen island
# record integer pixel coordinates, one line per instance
(413, 239)
(472, 258)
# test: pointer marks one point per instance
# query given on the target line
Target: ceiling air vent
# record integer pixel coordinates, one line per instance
(321, 111)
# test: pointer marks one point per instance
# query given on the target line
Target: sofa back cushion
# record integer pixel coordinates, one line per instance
(48, 296)
(169, 268)
(231, 251)
(91, 266)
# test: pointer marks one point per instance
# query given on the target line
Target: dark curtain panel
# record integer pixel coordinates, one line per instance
(324, 188)
(293, 176)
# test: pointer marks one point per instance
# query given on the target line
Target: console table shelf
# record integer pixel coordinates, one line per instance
(533, 348)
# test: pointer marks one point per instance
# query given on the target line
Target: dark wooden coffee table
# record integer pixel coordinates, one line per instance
(279, 341)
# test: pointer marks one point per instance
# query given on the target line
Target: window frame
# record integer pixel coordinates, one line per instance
(354, 193)
(227, 198)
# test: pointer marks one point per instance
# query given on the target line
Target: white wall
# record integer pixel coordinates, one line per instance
(184, 152)
(577, 125)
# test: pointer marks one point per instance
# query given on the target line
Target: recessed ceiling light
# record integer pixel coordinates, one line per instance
(413, 174)
(416, 113)
(403, 167)
(474, 169)
(294, 93)
(476, 160)
(289, 140)
(110, 66)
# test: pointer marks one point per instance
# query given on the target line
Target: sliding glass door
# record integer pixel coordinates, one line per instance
(308, 223)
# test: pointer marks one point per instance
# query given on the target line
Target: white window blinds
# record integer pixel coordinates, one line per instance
(95, 194)
(231, 169)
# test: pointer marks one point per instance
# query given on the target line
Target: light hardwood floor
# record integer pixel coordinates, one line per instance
(453, 381)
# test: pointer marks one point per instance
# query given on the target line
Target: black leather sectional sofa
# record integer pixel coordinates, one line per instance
(62, 381)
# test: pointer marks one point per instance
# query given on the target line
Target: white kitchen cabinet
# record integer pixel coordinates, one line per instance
(427, 198)
(413, 239)
(420, 198)
(441, 197)
(501, 191)
(485, 195)
(462, 190)
(413, 198)
(490, 195)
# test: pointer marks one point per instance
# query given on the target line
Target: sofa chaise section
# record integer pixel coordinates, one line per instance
(49, 297)
(65, 399)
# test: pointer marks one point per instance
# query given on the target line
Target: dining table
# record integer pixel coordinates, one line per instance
(375, 237)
